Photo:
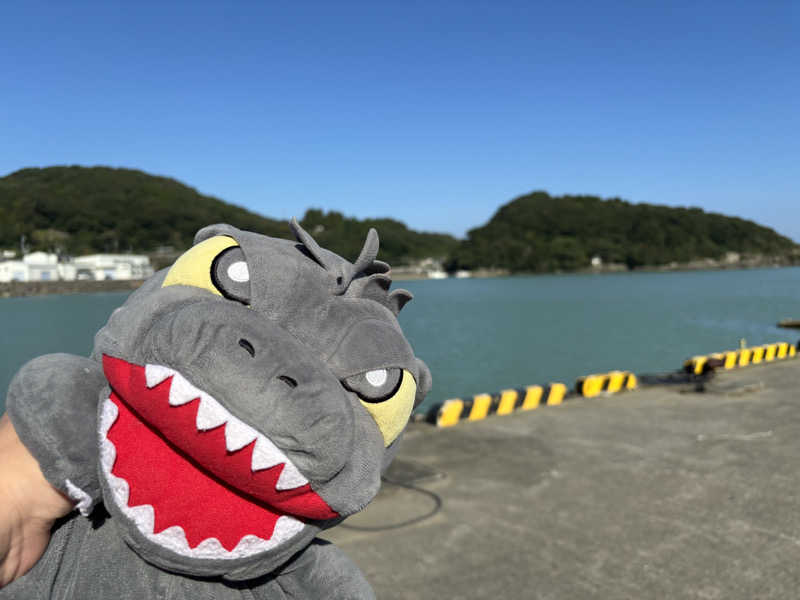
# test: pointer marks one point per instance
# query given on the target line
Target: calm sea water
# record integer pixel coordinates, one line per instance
(483, 335)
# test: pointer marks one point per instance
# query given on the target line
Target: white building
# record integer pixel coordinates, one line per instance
(13, 270)
(41, 266)
(40, 258)
(67, 271)
(36, 266)
(112, 266)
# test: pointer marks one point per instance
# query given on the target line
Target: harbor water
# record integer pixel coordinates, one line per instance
(483, 335)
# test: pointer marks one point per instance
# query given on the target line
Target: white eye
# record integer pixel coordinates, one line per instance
(238, 271)
(376, 385)
(376, 378)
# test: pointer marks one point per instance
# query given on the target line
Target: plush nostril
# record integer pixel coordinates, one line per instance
(247, 346)
(292, 383)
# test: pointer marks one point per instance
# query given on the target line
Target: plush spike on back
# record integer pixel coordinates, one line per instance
(377, 266)
(368, 252)
(342, 270)
(398, 299)
(366, 278)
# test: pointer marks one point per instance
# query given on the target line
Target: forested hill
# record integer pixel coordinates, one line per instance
(80, 210)
(543, 233)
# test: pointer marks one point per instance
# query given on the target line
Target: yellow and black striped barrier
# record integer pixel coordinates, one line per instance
(531, 397)
(743, 357)
(610, 383)
(481, 406)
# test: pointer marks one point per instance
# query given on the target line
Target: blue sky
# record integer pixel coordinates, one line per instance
(435, 113)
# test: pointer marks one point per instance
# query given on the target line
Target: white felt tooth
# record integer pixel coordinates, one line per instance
(209, 548)
(238, 435)
(143, 516)
(108, 415)
(285, 528)
(120, 488)
(210, 413)
(181, 391)
(250, 544)
(155, 374)
(173, 538)
(290, 478)
(108, 452)
(266, 455)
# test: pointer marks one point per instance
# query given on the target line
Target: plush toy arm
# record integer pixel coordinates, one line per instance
(322, 571)
(52, 403)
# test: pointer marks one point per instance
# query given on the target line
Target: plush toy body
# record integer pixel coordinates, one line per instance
(237, 404)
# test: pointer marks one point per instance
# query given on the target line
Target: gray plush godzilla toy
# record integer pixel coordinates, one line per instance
(249, 396)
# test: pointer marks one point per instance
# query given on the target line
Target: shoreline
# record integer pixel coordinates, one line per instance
(24, 289)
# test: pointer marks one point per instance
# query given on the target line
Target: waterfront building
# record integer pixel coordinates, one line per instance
(41, 266)
(67, 271)
(36, 266)
(112, 266)
(13, 270)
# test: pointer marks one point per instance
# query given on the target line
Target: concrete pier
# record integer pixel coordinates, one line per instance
(664, 492)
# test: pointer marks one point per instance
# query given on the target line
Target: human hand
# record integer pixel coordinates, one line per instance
(30, 506)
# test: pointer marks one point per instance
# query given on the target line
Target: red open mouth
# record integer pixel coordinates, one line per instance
(191, 475)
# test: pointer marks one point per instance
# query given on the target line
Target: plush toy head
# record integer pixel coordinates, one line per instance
(258, 390)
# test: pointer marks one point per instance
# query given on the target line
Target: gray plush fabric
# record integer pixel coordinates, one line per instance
(276, 365)
(86, 559)
(44, 422)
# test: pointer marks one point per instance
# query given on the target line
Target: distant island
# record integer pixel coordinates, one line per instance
(539, 233)
(77, 210)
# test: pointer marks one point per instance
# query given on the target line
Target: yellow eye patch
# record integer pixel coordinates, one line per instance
(193, 267)
(392, 415)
